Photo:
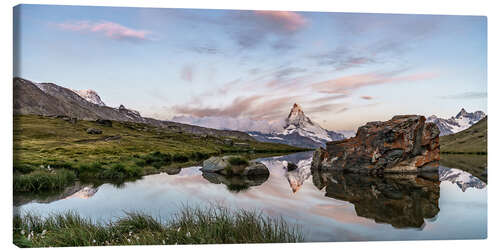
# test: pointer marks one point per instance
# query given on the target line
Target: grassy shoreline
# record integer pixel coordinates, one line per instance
(47, 149)
(216, 225)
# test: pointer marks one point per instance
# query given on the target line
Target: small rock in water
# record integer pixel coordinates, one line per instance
(221, 165)
(291, 166)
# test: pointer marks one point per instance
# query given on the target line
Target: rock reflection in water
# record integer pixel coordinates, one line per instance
(235, 183)
(400, 200)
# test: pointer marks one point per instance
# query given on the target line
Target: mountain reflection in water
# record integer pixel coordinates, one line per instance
(328, 206)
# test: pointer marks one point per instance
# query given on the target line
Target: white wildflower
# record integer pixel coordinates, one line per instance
(44, 232)
(128, 239)
(178, 229)
(93, 241)
(188, 234)
(22, 232)
(163, 242)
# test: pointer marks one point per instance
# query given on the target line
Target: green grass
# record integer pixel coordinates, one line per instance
(43, 180)
(238, 161)
(215, 225)
(141, 149)
(473, 140)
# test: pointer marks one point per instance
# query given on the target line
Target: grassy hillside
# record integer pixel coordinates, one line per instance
(124, 150)
(470, 141)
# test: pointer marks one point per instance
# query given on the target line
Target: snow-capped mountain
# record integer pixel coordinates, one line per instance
(90, 95)
(463, 179)
(300, 131)
(454, 124)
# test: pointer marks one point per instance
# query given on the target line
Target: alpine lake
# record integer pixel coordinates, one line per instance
(327, 206)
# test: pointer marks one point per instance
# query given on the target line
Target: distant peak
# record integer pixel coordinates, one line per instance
(461, 113)
(90, 95)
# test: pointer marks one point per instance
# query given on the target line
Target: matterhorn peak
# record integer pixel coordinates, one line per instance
(296, 110)
(297, 117)
(301, 131)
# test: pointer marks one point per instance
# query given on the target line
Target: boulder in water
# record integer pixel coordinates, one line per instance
(226, 165)
(406, 143)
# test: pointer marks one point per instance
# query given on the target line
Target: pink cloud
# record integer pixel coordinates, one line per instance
(288, 20)
(347, 84)
(108, 29)
(187, 73)
(254, 107)
(365, 97)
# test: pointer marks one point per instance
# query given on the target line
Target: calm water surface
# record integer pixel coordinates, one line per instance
(328, 206)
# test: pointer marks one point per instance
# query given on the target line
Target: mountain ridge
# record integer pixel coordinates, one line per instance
(457, 123)
(49, 99)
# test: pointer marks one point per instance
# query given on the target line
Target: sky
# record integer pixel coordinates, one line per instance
(245, 69)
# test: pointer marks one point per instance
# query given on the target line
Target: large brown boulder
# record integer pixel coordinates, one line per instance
(406, 143)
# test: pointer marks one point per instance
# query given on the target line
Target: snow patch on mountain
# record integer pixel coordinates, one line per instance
(90, 95)
(463, 120)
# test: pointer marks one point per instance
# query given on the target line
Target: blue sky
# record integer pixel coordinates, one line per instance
(245, 69)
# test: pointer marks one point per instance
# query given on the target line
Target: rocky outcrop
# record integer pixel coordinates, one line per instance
(406, 143)
(104, 122)
(94, 131)
(222, 165)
